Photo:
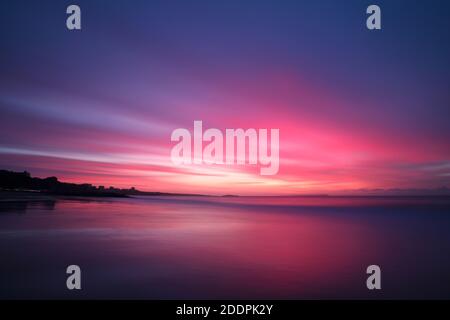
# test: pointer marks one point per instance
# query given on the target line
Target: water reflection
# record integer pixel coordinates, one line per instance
(205, 247)
(22, 207)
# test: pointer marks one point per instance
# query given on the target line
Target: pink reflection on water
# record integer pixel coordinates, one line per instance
(194, 247)
(273, 253)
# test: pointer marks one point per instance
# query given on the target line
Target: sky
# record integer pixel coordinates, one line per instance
(356, 109)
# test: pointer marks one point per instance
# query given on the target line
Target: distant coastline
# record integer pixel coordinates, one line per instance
(23, 182)
(20, 182)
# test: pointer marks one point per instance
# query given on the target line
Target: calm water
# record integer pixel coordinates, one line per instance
(199, 247)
